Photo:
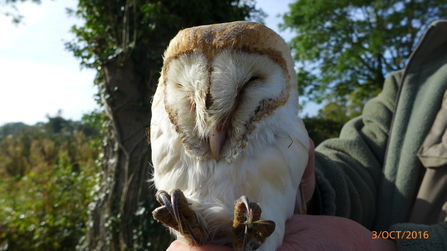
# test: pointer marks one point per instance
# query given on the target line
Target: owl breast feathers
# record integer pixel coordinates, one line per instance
(224, 124)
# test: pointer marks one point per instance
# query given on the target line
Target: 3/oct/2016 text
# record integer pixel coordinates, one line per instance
(400, 235)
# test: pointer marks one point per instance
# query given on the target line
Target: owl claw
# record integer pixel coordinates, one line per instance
(176, 213)
(249, 232)
(170, 202)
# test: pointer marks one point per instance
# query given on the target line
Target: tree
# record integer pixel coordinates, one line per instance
(346, 48)
(124, 40)
(320, 129)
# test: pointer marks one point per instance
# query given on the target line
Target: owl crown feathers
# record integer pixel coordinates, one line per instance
(245, 36)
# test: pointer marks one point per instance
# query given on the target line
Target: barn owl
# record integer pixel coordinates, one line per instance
(226, 138)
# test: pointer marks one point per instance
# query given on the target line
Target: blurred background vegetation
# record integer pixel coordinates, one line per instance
(48, 176)
(83, 184)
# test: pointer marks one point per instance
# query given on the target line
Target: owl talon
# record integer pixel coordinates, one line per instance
(175, 212)
(249, 232)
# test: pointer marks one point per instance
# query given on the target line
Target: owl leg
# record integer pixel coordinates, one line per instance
(249, 232)
(176, 213)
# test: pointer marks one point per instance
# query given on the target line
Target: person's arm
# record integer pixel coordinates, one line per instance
(348, 171)
(348, 168)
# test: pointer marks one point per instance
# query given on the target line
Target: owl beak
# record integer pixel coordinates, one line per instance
(216, 139)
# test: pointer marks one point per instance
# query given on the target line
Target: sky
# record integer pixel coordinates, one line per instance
(38, 77)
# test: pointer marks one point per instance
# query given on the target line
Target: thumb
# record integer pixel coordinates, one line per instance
(308, 179)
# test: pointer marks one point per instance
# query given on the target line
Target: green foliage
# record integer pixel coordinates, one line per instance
(345, 48)
(12, 128)
(144, 27)
(320, 129)
(47, 183)
(341, 109)
(146, 228)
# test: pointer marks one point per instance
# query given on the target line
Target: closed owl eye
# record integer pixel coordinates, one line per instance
(250, 81)
(253, 78)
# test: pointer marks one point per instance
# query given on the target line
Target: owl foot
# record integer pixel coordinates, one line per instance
(176, 213)
(249, 232)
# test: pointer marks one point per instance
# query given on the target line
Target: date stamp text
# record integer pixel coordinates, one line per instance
(400, 235)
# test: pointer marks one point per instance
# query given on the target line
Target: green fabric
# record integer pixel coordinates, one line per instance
(435, 241)
(371, 173)
(433, 152)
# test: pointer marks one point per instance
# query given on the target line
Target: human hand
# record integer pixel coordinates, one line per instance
(310, 232)
(179, 245)
(308, 179)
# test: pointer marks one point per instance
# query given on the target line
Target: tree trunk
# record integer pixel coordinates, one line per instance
(121, 218)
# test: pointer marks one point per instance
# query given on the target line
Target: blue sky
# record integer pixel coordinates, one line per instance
(39, 77)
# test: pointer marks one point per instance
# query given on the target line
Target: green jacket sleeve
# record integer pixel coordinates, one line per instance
(348, 168)
(348, 171)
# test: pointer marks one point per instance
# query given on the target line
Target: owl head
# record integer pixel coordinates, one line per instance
(220, 84)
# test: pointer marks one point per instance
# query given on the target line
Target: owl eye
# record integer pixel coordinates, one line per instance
(252, 79)
(247, 83)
